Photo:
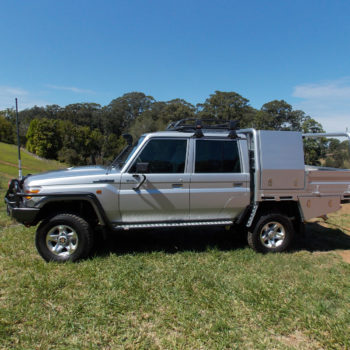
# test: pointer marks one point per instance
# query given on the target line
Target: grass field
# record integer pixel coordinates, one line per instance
(176, 289)
(30, 164)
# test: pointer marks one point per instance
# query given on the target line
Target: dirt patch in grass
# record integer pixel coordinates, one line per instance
(11, 164)
(345, 254)
(343, 225)
(345, 209)
(298, 340)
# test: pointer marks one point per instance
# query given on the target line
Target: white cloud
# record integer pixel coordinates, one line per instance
(29, 99)
(338, 89)
(328, 102)
(25, 99)
(70, 88)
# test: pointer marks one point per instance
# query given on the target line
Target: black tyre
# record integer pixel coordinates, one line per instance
(271, 233)
(64, 237)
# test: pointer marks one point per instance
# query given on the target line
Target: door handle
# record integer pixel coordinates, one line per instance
(130, 181)
(177, 185)
(238, 184)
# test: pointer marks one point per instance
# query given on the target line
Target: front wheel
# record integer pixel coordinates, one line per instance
(64, 237)
(272, 233)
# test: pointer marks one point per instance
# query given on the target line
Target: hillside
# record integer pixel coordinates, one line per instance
(30, 163)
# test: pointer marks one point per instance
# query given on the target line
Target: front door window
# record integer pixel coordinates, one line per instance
(163, 156)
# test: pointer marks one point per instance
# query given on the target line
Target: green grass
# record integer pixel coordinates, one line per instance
(176, 289)
(30, 163)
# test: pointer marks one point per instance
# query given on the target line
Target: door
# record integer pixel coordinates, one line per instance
(218, 189)
(164, 195)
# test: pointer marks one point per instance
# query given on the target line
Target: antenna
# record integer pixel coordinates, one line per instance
(18, 145)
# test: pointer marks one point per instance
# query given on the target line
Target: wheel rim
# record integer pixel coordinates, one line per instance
(62, 240)
(272, 234)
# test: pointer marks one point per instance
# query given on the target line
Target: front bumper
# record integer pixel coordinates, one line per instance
(22, 214)
(16, 208)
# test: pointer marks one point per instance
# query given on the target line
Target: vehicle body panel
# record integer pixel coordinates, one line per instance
(281, 160)
(163, 197)
(219, 195)
(317, 206)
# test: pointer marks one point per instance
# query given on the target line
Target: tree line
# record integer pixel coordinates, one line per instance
(88, 133)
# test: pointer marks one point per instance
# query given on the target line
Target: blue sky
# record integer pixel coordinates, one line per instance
(62, 52)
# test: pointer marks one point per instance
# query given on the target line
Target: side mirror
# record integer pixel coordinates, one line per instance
(142, 168)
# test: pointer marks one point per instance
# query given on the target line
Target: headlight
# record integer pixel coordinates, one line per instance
(32, 190)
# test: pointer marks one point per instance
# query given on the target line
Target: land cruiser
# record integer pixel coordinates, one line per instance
(193, 174)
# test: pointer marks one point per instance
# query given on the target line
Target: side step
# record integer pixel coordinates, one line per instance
(173, 224)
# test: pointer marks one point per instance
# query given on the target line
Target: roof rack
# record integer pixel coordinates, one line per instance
(192, 124)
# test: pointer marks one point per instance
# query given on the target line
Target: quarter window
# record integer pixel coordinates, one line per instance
(163, 156)
(216, 156)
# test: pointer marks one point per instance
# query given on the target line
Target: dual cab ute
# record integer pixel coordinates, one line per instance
(192, 174)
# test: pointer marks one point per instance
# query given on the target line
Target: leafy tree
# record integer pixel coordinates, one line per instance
(53, 111)
(333, 145)
(43, 138)
(70, 151)
(89, 133)
(314, 149)
(80, 144)
(25, 117)
(310, 125)
(83, 114)
(111, 147)
(7, 129)
(69, 156)
(122, 111)
(159, 116)
(279, 115)
(338, 154)
(227, 106)
(175, 110)
(94, 146)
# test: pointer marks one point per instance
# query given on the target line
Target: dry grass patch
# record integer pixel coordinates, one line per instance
(345, 254)
(298, 340)
(340, 220)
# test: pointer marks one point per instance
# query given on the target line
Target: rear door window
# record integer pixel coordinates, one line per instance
(217, 156)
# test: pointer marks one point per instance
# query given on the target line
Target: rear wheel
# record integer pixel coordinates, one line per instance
(272, 233)
(64, 237)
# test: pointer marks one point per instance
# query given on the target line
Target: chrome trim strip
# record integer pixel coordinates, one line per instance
(173, 224)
